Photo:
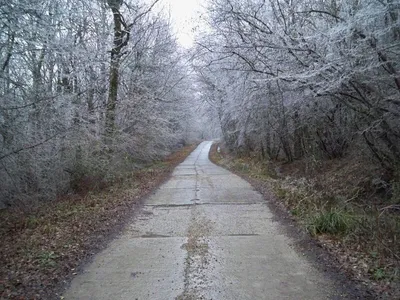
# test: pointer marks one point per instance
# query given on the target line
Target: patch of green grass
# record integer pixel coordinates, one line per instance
(280, 192)
(32, 222)
(374, 254)
(379, 274)
(48, 259)
(241, 166)
(294, 212)
(158, 165)
(254, 169)
(335, 221)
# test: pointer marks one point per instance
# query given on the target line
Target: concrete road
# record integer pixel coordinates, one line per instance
(204, 234)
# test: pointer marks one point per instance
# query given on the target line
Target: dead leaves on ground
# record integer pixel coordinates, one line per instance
(42, 249)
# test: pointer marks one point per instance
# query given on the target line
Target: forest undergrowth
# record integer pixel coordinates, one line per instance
(43, 247)
(338, 203)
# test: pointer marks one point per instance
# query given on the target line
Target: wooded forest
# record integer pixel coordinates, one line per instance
(299, 78)
(88, 89)
(87, 86)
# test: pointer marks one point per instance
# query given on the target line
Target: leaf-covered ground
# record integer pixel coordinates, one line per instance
(338, 207)
(42, 249)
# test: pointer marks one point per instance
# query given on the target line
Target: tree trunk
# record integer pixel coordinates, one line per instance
(298, 138)
(114, 68)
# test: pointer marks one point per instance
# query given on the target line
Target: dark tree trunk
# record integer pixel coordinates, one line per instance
(121, 38)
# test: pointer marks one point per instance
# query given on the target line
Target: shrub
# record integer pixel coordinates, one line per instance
(334, 222)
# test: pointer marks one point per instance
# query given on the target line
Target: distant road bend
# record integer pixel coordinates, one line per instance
(204, 234)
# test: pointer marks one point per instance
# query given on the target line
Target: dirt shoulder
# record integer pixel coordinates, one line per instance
(331, 252)
(43, 249)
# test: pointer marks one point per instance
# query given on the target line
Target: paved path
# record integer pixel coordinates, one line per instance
(204, 234)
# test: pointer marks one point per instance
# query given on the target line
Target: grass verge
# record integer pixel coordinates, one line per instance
(41, 250)
(360, 232)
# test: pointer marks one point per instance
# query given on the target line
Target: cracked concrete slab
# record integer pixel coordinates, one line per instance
(204, 234)
(234, 195)
(175, 196)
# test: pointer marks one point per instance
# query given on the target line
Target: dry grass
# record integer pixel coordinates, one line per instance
(43, 248)
(344, 204)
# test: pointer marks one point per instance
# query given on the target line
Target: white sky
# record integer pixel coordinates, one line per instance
(185, 16)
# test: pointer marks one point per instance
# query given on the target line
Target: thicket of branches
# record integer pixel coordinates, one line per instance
(87, 89)
(304, 78)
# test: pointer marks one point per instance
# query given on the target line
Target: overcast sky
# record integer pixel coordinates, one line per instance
(185, 16)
